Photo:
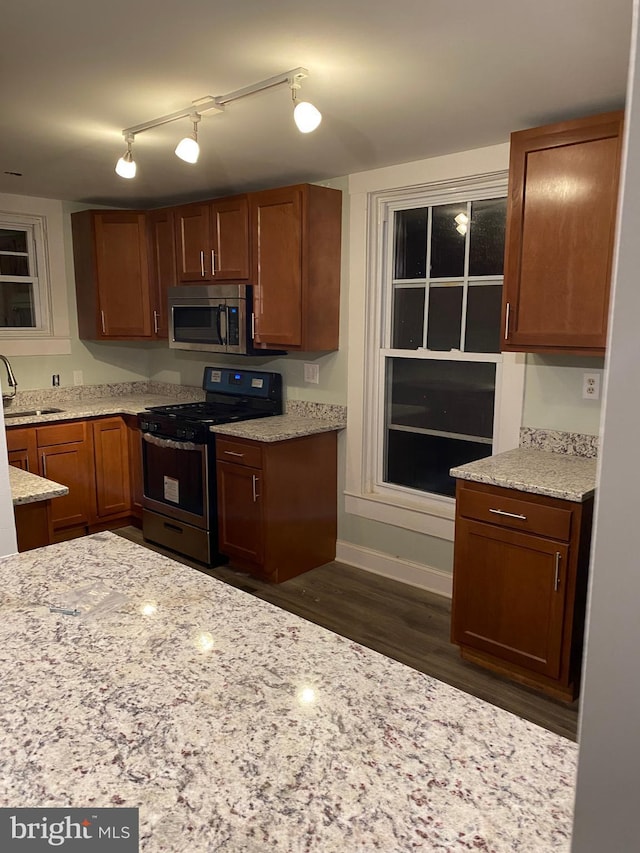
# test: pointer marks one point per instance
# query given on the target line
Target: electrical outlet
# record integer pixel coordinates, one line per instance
(55, 380)
(312, 373)
(590, 386)
(77, 377)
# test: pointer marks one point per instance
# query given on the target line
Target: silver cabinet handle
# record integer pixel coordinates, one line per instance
(509, 514)
(202, 263)
(506, 321)
(44, 465)
(155, 322)
(26, 464)
(104, 328)
(213, 262)
(233, 453)
(253, 326)
(254, 487)
(556, 578)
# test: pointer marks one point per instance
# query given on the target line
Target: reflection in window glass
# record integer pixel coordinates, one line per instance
(408, 317)
(411, 243)
(447, 242)
(13, 240)
(442, 395)
(16, 305)
(487, 228)
(484, 306)
(445, 317)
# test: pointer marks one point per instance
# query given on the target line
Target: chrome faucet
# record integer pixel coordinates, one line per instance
(11, 379)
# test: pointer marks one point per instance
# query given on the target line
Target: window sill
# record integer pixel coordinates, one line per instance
(429, 516)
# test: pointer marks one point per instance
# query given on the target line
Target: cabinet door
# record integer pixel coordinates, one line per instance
(193, 242)
(66, 456)
(230, 239)
(122, 274)
(162, 265)
(111, 448)
(509, 595)
(22, 449)
(276, 223)
(563, 188)
(240, 521)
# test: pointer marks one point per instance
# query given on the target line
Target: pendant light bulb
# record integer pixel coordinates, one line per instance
(188, 149)
(126, 165)
(306, 117)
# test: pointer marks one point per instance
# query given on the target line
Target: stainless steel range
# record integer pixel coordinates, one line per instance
(179, 459)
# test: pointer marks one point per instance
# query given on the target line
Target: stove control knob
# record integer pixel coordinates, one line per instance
(181, 433)
(153, 427)
(189, 434)
(144, 424)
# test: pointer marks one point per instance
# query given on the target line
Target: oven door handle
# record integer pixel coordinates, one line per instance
(170, 442)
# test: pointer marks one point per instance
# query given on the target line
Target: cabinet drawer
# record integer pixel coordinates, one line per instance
(515, 513)
(60, 433)
(240, 452)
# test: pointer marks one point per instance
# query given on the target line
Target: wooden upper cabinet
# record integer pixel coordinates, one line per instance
(212, 241)
(295, 240)
(162, 265)
(563, 191)
(112, 276)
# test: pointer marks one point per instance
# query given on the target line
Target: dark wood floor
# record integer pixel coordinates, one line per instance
(400, 621)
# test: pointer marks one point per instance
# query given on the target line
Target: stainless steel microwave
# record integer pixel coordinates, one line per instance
(213, 318)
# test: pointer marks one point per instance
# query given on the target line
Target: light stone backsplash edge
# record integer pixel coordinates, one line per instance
(557, 441)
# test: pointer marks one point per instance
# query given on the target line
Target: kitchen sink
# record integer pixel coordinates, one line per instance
(30, 412)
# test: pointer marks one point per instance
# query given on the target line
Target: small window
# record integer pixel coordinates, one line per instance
(23, 303)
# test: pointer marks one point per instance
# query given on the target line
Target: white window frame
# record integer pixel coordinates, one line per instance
(34, 227)
(365, 493)
(52, 231)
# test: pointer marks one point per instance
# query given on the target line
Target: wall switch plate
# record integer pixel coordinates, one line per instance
(590, 386)
(312, 373)
(55, 380)
(77, 377)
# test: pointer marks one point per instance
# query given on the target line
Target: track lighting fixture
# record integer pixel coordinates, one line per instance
(188, 149)
(126, 165)
(306, 116)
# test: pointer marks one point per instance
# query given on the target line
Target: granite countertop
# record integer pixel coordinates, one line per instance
(302, 417)
(29, 488)
(558, 475)
(279, 427)
(232, 724)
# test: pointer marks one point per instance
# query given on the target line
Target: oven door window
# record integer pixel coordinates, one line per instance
(198, 324)
(176, 477)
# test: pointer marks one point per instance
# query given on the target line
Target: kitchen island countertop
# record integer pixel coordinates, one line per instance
(557, 475)
(234, 725)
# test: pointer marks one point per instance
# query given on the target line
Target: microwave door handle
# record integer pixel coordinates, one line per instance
(222, 327)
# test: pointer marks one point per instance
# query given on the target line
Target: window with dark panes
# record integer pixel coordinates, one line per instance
(18, 278)
(442, 356)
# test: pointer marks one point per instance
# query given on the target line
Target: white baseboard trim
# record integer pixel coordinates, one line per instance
(415, 574)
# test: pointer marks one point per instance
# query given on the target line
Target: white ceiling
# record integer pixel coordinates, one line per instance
(395, 81)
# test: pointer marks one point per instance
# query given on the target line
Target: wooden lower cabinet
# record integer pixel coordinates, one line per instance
(519, 584)
(277, 504)
(92, 458)
(33, 525)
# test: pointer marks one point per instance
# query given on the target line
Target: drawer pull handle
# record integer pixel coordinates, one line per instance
(509, 514)
(233, 453)
(506, 321)
(556, 579)
(254, 488)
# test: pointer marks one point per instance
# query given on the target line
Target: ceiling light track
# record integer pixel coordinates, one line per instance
(306, 116)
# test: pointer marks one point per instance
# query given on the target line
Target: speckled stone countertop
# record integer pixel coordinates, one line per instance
(233, 725)
(279, 427)
(301, 418)
(29, 488)
(558, 475)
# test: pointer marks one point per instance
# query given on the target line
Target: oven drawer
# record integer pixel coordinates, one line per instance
(238, 451)
(495, 507)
